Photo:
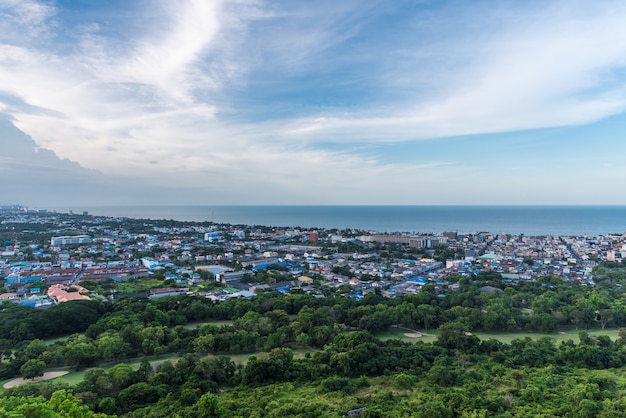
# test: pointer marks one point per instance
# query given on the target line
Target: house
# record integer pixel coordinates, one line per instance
(59, 294)
(490, 289)
(305, 280)
(166, 291)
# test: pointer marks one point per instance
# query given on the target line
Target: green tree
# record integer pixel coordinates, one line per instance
(80, 352)
(112, 346)
(425, 315)
(207, 407)
(32, 368)
(34, 349)
(121, 375)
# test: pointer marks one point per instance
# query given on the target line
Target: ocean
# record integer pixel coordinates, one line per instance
(528, 220)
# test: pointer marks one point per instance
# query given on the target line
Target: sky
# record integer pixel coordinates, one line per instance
(215, 102)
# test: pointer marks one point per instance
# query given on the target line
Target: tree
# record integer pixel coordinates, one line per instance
(6, 348)
(121, 375)
(80, 352)
(144, 372)
(111, 346)
(32, 368)
(618, 313)
(454, 335)
(208, 406)
(602, 303)
(34, 349)
(403, 381)
(584, 313)
(426, 314)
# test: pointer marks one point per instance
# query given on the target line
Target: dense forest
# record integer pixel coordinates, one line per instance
(309, 356)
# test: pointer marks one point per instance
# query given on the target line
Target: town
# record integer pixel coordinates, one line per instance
(48, 258)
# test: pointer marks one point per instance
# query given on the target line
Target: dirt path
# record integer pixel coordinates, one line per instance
(46, 376)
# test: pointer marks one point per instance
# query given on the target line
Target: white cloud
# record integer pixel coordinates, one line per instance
(551, 70)
(159, 90)
(170, 51)
(28, 17)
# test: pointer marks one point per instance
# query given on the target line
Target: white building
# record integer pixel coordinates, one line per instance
(70, 240)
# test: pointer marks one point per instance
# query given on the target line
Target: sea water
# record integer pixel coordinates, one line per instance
(528, 220)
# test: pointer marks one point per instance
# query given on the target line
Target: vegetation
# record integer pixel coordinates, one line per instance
(297, 355)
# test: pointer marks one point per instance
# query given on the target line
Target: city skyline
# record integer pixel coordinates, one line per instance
(276, 102)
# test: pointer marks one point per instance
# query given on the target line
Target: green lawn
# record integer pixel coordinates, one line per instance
(2, 382)
(138, 285)
(50, 341)
(564, 335)
(219, 322)
(76, 376)
(298, 353)
(399, 334)
(73, 377)
(505, 337)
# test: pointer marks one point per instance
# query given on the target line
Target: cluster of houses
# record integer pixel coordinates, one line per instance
(83, 248)
(519, 257)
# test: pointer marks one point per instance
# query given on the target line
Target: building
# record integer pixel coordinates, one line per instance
(59, 294)
(70, 240)
(166, 291)
(415, 241)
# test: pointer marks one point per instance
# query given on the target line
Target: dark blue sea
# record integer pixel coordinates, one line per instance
(528, 220)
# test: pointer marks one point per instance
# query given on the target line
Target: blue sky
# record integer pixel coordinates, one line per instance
(325, 102)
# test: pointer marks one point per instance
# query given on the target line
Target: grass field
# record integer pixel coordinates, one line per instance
(219, 322)
(505, 337)
(564, 335)
(298, 353)
(399, 334)
(138, 285)
(50, 341)
(75, 377)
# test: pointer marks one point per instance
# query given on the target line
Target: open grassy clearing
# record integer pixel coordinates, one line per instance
(563, 335)
(242, 359)
(406, 335)
(218, 322)
(140, 285)
(2, 382)
(50, 341)
(76, 376)
(505, 337)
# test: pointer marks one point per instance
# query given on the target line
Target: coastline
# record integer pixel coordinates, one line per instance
(535, 220)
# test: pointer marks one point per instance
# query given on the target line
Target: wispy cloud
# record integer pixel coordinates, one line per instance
(249, 93)
(552, 67)
(29, 17)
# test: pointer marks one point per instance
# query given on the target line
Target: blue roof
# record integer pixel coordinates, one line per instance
(247, 294)
(14, 280)
(266, 265)
(216, 270)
